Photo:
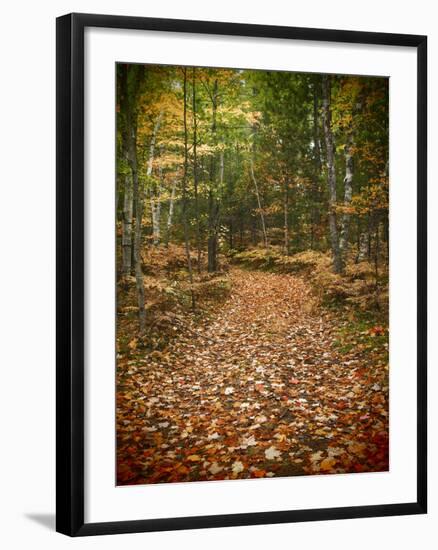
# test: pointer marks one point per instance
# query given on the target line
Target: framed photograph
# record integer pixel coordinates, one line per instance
(241, 274)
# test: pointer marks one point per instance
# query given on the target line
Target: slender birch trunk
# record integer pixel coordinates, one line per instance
(348, 193)
(376, 262)
(157, 229)
(331, 175)
(155, 194)
(156, 210)
(170, 213)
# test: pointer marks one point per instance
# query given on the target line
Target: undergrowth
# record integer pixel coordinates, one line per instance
(358, 287)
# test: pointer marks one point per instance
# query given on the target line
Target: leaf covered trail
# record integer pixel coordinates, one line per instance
(256, 390)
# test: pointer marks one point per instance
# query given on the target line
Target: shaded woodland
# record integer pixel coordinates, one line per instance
(252, 273)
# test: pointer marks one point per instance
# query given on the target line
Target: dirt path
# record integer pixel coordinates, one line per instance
(257, 391)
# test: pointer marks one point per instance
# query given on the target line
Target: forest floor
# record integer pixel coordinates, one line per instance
(268, 384)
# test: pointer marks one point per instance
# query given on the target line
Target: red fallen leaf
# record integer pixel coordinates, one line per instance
(377, 330)
(294, 381)
(126, 477)
(258, 473)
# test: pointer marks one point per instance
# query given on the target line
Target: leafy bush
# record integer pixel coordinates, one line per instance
(212, 289)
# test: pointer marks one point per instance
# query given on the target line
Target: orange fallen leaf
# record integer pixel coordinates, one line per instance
(327, 464)
(194, 458)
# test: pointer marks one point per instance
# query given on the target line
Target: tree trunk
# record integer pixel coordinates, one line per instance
(170, 213)
(155, 193)
(262, 217)
(241, 229)
(212, 202)
(132, 77)
(348, 192)
(331, 175)
(195, 168)
(315, 216)
(286, 217)
(212, 244)
(138, 241)
(184, 194)
(212, 253)
(156, 214)
(156, 208)
(127, 227)
(376, 263)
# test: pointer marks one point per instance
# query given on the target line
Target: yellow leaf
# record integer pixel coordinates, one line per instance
(133, 344)
(194, 458)
(327, 464)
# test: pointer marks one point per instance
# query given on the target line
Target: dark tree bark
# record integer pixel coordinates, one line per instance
(195, 168)
(331, 175)
(127, 226)
(184, 194)
(230, 234)
(213, 207)
(127, 250)
(132, 78)
(138, 241)
(286, 216)
(315, 214)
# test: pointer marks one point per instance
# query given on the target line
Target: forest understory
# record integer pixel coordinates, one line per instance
(264, 379)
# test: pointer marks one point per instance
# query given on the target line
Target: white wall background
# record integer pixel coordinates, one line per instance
(27, 290)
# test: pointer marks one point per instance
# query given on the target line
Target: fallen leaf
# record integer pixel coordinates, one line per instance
(237, 467)
(327, 464)
(272, 453)
(215, 468)
(194, 458)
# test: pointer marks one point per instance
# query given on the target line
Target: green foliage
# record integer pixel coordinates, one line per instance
(249, 154)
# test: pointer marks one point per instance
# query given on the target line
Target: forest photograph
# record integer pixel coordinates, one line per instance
(252, 274)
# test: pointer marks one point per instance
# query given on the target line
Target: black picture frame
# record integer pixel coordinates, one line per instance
(70, 273)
